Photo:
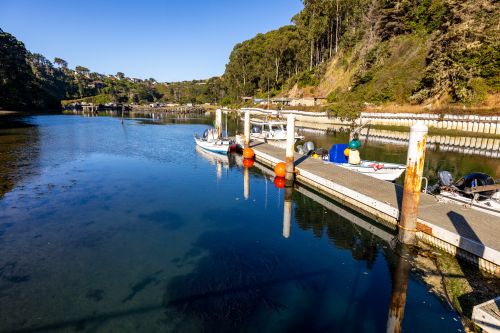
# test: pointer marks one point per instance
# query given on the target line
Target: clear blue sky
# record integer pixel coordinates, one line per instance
(168, 40)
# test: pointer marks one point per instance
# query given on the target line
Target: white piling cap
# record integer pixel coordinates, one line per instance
(419, 126)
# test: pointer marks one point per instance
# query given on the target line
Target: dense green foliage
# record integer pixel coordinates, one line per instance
(403, 51)
(294, 53)
(19, 85)
(399, 50)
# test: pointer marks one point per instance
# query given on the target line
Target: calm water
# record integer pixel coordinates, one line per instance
(110, 227)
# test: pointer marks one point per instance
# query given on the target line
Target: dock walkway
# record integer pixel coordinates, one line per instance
(456, 229)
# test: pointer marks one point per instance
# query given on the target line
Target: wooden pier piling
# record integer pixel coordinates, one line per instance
(218, 122)
(246, 130)
(290, 143)
(407, 226)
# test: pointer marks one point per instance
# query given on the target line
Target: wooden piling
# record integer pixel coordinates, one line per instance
(413, 184)
(218, 122)
(246, 130)
(290, 143)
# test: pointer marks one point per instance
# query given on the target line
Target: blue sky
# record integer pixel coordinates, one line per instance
(168, 40)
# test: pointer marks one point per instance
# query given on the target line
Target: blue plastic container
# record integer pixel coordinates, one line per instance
(336, 153)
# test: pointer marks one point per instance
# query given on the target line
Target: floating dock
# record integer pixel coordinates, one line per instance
(487, 316)
(461, 231)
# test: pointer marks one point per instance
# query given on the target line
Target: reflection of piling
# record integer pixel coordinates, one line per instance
(246, 130)
(218, 170)
(218, 122)
(399, 289)
(290, 142)
(413, 183)
(287, 211)
(246, 183)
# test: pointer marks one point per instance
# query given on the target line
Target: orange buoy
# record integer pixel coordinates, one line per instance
(280, 169)
(248, 153)
(347, 151)
(279, 182)
(248, 163)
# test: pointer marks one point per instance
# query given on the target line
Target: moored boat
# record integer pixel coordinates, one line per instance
(211, 142)
(271, 131)
(380, 170)
(475, 190)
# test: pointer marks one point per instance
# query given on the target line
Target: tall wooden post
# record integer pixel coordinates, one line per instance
(246, 130)
(413, 184)
(290, 142)
(218, 122)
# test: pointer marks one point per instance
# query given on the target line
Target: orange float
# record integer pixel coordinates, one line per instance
(279, 182)
(347, 151)
(248, 153)
(280, 169)
(248, 163)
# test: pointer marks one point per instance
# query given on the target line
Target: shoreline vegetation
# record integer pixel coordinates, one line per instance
(411, 56)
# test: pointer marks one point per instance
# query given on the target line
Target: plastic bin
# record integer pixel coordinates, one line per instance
(336, 153)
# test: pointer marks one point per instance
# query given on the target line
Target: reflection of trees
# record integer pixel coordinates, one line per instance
(18, 149)
(344, 234)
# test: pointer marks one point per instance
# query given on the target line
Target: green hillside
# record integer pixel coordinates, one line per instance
(377, 51)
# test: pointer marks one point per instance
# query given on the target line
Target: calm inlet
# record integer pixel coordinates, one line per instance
(111, 227)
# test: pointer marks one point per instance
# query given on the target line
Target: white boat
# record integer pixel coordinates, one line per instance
(210, 141)
(379, 170)
(490, 205)
(475, 190)
(270, 131)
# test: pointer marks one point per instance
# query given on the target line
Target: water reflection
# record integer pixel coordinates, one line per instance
(400, 276)
(137, 233)
(19, 151)
(287, 211)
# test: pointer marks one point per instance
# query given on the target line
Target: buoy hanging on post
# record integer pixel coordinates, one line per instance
(413, 183)
(248, 153)
(280, 169)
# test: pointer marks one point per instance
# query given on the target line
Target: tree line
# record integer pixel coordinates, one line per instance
(29, 81)
(461, 59)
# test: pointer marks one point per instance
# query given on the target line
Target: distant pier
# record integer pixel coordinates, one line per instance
(131, 110)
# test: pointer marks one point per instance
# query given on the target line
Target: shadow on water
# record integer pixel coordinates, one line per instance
(19, 150)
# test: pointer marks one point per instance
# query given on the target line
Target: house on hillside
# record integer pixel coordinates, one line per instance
(308, 101)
